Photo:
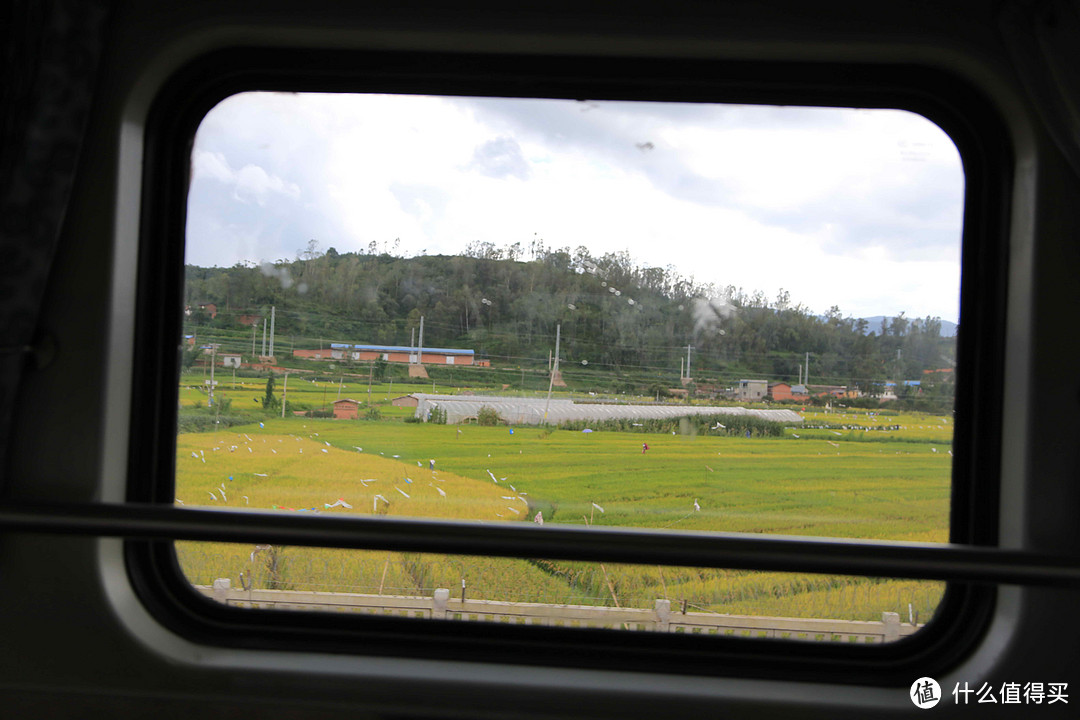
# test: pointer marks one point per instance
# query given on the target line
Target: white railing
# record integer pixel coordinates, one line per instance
(660, 618)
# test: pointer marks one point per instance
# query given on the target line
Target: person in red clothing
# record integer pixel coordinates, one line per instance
(644, 447)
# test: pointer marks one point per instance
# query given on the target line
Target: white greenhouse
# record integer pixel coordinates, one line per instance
(530, 411)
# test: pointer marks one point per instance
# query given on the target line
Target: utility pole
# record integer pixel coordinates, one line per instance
(688, 349)
(213, 352)
(558, 333)
(284, 395)
(273, 312)
(487, 325)
(420, 346)
(341, 382)
(264, 338)
(806, 377)
(554, 371)
(682, 371)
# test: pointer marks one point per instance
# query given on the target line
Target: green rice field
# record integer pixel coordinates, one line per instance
(848, 475)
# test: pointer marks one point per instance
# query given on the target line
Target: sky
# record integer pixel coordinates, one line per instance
(859, 209)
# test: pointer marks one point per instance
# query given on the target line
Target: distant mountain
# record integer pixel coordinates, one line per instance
(873, 325)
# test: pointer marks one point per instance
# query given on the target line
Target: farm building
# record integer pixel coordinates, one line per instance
(394, 354)
(785, 391)
(404, 354)
(887, 393)
(405, 401)
(752, 389)
(346, 409)
(530, 411)
(836, 391)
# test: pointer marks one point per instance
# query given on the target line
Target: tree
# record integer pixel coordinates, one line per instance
(311, 251)
(379, 369)
(189, 355)
(199, 316)
(269, 401)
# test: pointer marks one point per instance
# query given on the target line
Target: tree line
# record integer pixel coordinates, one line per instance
(614, 314)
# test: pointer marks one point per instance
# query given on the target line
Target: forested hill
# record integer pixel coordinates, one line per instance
(613, 314)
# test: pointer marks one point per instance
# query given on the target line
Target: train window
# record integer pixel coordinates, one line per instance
(653, 315)
(543, 354)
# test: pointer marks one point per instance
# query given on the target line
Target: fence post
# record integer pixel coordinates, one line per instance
(438, 604)
(663, 615)
(892, 626)
(221, 589)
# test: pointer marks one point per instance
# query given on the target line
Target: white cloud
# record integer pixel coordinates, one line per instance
(250, 183)
(212, 165)
(254, 182)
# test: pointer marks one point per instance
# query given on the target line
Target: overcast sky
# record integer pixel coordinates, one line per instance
(855, 208)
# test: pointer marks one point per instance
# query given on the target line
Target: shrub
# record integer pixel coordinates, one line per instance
(736, 425)
(488, 416)
(191, 422)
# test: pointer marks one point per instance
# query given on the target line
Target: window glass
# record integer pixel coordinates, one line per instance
(656, 315)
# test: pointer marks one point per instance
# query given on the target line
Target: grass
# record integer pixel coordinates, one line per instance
(818, 484)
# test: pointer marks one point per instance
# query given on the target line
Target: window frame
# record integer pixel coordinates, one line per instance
(962, 112)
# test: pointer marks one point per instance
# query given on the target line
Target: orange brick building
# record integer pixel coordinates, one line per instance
(394, 354)
(785, 391)
(346, 409)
